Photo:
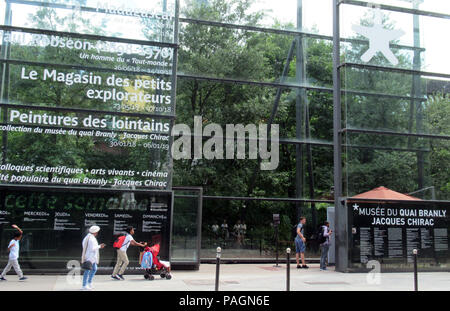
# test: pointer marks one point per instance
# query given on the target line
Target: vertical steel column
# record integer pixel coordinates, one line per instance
(341, 221)
(416, 92)
(299, 111)
(4, 96)
(174, 85)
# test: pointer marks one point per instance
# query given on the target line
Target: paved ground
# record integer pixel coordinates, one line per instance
(248, 277)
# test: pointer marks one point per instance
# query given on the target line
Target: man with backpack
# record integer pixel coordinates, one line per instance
(300, 244)
(122, 244)
(324, 241)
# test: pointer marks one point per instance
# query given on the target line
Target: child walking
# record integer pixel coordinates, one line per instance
(13, 248)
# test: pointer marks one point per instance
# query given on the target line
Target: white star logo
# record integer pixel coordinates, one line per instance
(379, 39)
(355, 207)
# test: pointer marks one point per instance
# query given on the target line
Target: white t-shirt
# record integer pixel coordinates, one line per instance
(90, 249)
(14, 252)
(126, 242)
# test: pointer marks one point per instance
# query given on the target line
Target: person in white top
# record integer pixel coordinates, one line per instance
(91, 253)
(13, 248)
(122, 258)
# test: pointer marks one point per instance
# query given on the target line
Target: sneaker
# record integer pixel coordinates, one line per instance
(305, 267)
(115, 277)
(121, 277)
(85, 288)
(2, 278)
(90, 287)
(23, 278)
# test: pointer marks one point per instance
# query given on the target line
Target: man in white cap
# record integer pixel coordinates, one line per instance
(90, 253)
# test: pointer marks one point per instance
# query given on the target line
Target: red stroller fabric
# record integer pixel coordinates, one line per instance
(155, 251)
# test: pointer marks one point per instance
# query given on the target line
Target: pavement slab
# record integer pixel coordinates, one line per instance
(240, 277)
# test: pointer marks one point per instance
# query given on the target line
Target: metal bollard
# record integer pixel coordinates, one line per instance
(219, 251)
(415, 270)
(276, 251)
(288, 270)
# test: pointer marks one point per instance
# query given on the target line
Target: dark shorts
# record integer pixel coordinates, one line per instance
(299, 246)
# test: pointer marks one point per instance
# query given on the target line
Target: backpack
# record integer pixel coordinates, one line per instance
(118, 243)
(147, 260)
(294, 231)
(320, 237)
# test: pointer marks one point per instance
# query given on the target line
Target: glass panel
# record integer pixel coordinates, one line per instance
(83, 89)
(75, 51)
(245, 229)
(383, 82)
(69, 148)
(437, 6)
(248, 104)
(118, 18)
(403, 164)
(55, 221)
(316, 14)
(398, 115)
(211, 51)
(393, 39)
(185, 225)
(315, 106)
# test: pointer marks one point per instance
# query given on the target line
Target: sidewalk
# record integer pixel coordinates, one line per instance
(244, 277)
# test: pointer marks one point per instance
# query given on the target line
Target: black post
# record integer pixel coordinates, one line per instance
(276, 223)
(415, 270)
(276, 238)
(288, 270)
(219, 251)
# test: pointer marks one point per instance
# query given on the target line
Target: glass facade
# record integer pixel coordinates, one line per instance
(359, 91)
(392, 78)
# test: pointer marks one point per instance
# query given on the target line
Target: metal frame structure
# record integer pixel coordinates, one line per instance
(343, 234)
(195, 264)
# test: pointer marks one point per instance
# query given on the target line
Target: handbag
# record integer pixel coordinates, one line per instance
(87, 265)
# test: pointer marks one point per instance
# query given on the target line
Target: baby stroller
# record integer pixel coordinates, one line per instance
(152, 266)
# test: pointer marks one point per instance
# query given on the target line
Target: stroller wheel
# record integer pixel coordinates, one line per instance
(163, 275)
(168, 277)
(151, 278)
(146, 276)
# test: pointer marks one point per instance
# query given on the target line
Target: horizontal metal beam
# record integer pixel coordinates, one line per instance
(293, 86)
(45, 127)
(56, 188)
(91, 111)
(293, 141)
(385, 148)
(87, 36)
(250, 82)
(80, 67)
(399, 70)
(286, 32)
(395, 201)
(392, 133)
(231, 198)
(395, 8)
